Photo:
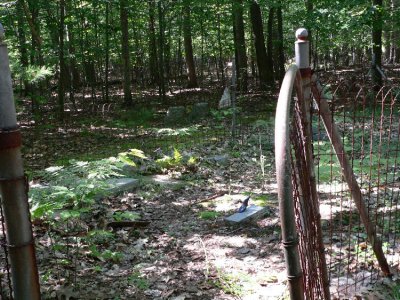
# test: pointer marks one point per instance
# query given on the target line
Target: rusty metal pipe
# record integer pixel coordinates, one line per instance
(13, 191)
(283, 174)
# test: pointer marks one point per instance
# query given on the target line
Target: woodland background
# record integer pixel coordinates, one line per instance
(59, 47)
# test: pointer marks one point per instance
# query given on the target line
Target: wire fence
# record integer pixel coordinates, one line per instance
(368, 123)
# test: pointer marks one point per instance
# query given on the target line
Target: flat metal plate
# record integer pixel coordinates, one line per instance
(251, 212)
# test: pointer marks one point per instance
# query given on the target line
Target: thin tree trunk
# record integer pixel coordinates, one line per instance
(240, 44)
(310, 7)
(377, 45)
(187, 40)
(125, 53)
(281, 53)
(161, 51)
(107, 62)
(270, 38)
(264, 70)
(32, 24)
(74, 73)
(220, 59)
(395, 39)
(202, 33)
(62, 75)
(23, 51)
(180, 63)
(154, 75)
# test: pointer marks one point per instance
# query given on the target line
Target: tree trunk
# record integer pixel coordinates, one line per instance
(220, 59)
(154, 75)
(310, 7)
(107, 58)
(202, 34)
(74, 73)
(23, 51)
(125, 53)
(187, 40)
(376, 64)
(281, 52)
(395, 39)
(240, 44)
(30, 15)
(161, 51)
(62, 75)
(264, 70)
(270, 39)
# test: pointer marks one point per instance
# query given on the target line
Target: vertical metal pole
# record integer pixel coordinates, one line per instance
(13, 191)
(302, 49)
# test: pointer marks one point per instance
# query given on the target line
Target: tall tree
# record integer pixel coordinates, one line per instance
(154, 75)
(161, 68)
(123, 6)
(23, 51)
(31, 14)
(270, 38)
(392, 32)
(107, 50)
(377, 44)
(240, 44)
(74, 75)
(265, 70)
(310, 7)
(280, 50)
(62, 75)
(187, 40)
(219, 38)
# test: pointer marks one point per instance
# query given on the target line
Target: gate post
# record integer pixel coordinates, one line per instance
(13, 191)
(302, 50)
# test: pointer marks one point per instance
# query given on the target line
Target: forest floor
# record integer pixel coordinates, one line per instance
(185, 249)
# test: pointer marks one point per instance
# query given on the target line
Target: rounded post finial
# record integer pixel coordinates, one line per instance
(302, 34)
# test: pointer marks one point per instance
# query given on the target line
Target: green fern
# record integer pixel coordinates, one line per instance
(35, 74)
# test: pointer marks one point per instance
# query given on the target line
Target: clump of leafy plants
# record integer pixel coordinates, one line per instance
(125, 216)
(208, 215)
(139, 281)
(175, 161)
(70, 190)
(100, 237)
(106, 255)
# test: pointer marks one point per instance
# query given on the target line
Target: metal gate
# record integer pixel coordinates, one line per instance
(333, 162)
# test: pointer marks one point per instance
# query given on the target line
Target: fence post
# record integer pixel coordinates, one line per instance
(13, 191)
(302, 50)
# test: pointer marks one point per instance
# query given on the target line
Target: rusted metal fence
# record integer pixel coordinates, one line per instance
(17, 242)
(357, 175)
(338, 182)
